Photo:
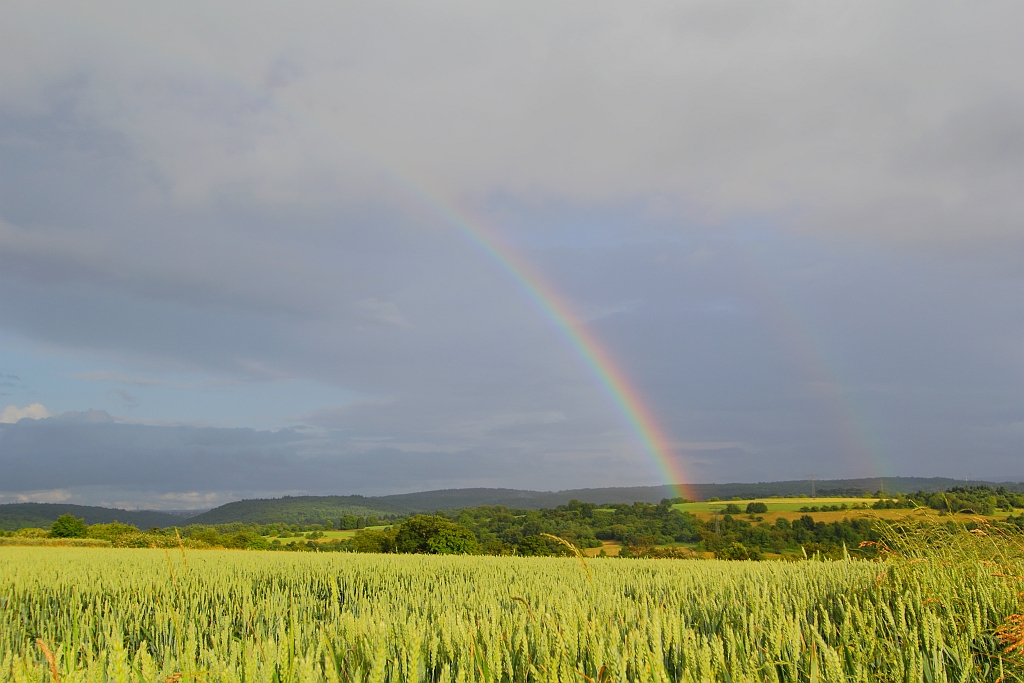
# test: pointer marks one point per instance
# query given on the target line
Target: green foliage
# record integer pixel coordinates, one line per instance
(15, 516)
(31, 532)
(979, 500)
(68, 526)
(733, 551)
(113, 532)
(374, 541)
(303, 510)
(644, 530)
(425, 534)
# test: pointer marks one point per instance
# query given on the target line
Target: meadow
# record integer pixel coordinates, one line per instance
(930, 611)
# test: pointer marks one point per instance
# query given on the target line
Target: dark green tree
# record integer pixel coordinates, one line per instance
(436, 535)
(68, 526)
(373, 541)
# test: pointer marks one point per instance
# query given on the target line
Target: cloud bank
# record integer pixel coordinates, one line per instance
(796, 229)
(12, 414)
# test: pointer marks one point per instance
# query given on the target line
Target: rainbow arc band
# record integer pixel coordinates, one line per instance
(610, 376)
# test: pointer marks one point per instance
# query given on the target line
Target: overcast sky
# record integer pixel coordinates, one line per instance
(228, 266)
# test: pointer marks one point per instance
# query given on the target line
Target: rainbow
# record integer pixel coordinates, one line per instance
(555, 308)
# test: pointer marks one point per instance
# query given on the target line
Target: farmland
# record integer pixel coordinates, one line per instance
(215, 615)
(775, 504)
(768, 528)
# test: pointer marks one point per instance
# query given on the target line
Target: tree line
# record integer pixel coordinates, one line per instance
(642, 529)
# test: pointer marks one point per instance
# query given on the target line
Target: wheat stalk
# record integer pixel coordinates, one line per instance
(50, 659)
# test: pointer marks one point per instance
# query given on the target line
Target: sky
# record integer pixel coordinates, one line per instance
(257, 249)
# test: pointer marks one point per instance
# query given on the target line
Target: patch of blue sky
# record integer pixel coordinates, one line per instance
(72, 381)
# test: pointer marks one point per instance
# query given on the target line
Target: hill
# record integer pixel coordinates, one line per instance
(298, 510)
(319, 509)
(15, 516)
(534, 500)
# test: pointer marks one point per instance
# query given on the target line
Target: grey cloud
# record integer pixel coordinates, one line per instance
(78, 455)
(728, 110)
(714, 187)
(129, 400)
(118, 377)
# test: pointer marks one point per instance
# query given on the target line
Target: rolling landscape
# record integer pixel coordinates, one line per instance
(511, 342)
(318, 509)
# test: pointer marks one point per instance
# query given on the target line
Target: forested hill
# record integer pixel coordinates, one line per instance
(318, 509)
(22, 515)
(299, 510)
(452, 499)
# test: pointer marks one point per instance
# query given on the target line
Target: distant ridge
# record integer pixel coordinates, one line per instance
(15, 516)
(318, 509)
(457, 498)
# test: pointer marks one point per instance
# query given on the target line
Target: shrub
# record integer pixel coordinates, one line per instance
(756, 508)
(111, 532)
(733, 551)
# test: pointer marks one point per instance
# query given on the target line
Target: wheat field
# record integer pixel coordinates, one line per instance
(84, 614)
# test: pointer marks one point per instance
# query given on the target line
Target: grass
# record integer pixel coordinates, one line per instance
(941, 606)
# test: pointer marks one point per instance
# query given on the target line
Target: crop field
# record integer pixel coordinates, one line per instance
(774, 504)
(791, 508)
(79, 614)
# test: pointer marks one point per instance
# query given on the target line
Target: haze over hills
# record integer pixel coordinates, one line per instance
(318, 509)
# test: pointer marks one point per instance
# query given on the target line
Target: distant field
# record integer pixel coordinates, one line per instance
(774, 504)
(790, 508)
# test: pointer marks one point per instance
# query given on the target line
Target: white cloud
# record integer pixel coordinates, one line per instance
(34, 411)
(43, 496)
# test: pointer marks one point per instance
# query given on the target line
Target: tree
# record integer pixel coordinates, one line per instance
(756, 508)
(68, 526)
(436, 535)
(373, 541)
